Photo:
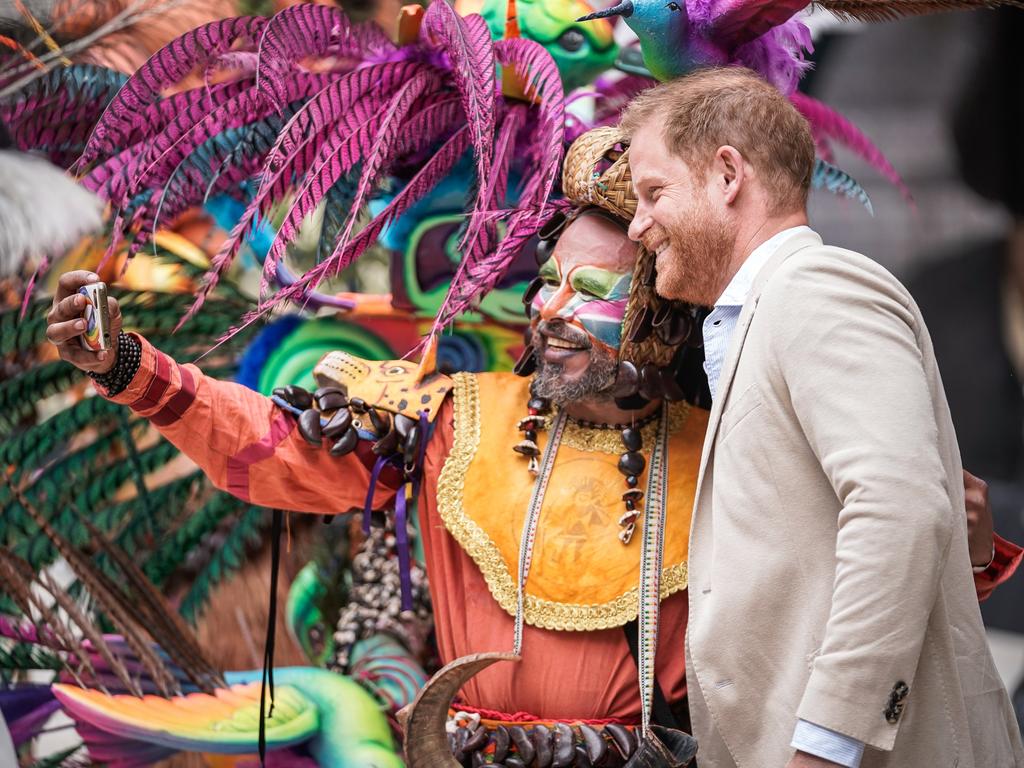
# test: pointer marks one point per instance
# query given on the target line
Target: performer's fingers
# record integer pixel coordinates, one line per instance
(114, 314)
(66, 309)
(61, 333)
(85, 359)
(70, 282)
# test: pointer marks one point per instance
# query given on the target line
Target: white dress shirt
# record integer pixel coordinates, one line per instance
(718, 333)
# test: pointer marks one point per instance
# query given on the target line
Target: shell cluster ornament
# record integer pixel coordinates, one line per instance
(556, 745)
(374, 600)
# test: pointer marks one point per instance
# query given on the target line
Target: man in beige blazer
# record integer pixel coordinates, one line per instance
(833, 617)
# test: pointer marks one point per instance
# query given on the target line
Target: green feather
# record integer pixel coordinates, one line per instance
(226, 560)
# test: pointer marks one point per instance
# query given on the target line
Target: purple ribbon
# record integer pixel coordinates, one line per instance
(370, 490)
(401, 511)
(402, 537)
(401, 517)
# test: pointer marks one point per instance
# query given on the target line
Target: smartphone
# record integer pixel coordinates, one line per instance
(96, 316)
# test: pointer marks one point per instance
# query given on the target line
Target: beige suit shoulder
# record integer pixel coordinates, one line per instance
(824, 280)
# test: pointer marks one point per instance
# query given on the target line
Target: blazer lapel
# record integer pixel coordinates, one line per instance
(790, 246)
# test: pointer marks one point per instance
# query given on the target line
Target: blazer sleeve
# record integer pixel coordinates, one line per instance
(847, 350)
(1005, 563)
(244, 443)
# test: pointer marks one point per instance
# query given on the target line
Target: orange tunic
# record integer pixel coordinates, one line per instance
(249, 447)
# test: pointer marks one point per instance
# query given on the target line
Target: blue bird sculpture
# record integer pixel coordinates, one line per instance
(677, 37)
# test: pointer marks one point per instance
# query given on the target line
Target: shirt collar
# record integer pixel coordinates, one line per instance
(735, 294)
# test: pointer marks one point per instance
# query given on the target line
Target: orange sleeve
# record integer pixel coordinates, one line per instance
(1007, 558)
(244, 443)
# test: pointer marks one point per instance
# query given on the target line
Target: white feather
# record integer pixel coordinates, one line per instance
(42, 210)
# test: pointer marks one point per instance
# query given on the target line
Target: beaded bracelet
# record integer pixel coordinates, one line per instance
(129, 358)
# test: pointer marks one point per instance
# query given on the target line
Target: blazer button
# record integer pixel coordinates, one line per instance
(894, 707)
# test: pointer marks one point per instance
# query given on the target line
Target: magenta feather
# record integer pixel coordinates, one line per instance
(174, 145)
(827, 124)
(435, 169)
(166, 131)
(477, 272)
(165, 68)
(545, 152)
(386, 140)
(467, 42)
(483, 238)
(339, 106)
(337, 157)
(737, 22)
(296, 33)
(110, 177)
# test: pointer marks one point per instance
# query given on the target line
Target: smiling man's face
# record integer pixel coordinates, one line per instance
(577, 315)
(676, 220)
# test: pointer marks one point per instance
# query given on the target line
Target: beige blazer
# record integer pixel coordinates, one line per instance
(829, 573)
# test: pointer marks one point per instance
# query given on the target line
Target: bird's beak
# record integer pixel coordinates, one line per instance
(623, 9)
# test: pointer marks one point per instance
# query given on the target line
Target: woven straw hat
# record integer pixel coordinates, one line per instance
(596, 172)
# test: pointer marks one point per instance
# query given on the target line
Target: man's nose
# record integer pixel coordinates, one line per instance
(641, 223)
(557, 307)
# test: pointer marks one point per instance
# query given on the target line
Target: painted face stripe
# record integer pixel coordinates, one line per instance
(603, 310)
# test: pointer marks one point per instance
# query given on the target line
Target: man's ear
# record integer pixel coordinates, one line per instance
(729, 171)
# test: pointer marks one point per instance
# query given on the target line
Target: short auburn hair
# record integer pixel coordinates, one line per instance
(732, 106)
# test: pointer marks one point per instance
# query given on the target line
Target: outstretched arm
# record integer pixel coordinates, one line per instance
(239, 438)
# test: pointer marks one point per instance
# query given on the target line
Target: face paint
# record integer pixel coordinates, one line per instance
(589, 298)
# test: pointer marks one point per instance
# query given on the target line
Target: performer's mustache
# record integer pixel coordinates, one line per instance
(565, 332)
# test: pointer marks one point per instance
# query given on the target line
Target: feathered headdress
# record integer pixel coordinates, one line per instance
(307, 108)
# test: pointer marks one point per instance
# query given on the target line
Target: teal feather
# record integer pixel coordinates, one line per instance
(196, 527)
(225, 561)
(839, 182)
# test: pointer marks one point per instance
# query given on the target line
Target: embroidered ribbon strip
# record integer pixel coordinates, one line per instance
(540, 487)
(650, 566)
(651, 555)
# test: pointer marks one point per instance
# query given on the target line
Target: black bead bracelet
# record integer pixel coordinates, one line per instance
(126, 365)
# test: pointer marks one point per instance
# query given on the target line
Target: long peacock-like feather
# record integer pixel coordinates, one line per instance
(429, 175)
(888, 10)
(386, 140)
(837, 181)
(827, 124)
(165, 68)
(478, 273)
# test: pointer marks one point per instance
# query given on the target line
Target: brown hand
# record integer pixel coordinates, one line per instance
(64, 324)
(980, 530)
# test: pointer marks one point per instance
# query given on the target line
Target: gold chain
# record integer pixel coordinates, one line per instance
(609, 441)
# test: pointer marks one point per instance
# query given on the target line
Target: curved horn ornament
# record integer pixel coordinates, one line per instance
(426, 744)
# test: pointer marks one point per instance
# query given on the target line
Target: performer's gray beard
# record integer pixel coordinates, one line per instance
(594, 383)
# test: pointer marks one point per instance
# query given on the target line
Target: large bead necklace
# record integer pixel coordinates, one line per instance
(588, 433)
(651, 551)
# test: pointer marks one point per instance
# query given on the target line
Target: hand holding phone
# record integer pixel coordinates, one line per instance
(76, 324)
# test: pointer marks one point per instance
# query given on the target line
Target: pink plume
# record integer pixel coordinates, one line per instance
(435, 169)
(827, 124)
(165, 68)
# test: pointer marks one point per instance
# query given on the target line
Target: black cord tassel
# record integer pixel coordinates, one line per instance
(268, 647)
